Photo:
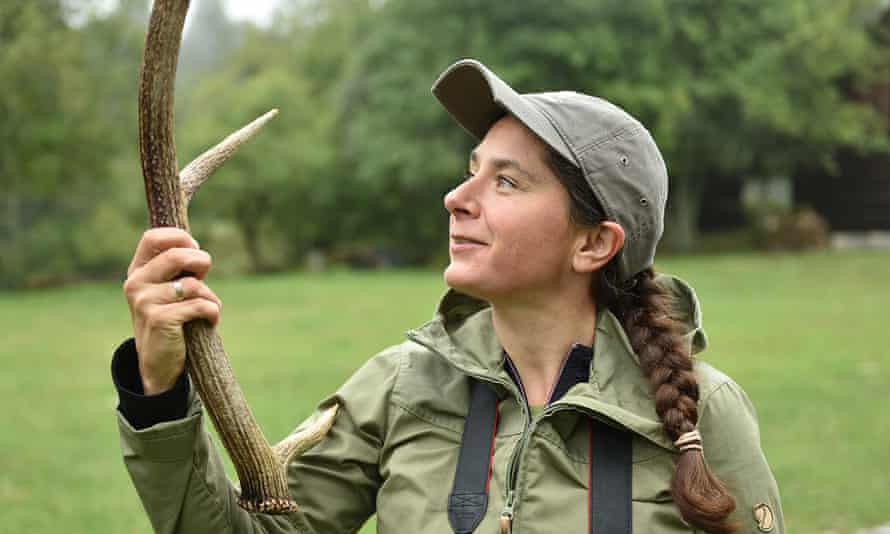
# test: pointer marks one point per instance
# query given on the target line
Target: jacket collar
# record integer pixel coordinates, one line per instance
(462, 332)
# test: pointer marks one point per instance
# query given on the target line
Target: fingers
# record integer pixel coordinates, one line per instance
(188, 310)
(161, 309)
(146, 295)
(171, 263)
(162, 255)
(157, 240)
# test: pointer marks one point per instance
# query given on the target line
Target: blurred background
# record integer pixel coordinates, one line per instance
(773, 117)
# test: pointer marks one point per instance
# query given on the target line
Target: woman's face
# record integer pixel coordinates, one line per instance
(510, 232)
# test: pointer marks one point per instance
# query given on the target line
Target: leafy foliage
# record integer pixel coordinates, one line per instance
(55, 137)
(361, 153)
(730, 88)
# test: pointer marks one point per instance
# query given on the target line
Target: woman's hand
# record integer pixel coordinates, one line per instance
(159, 305)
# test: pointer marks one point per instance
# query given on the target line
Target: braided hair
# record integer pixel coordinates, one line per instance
(644, 310)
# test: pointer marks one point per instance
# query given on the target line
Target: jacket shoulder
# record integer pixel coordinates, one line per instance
(426, 386)
(726, 414)
(709, 378)
(387, 366)
(395, 364)
(412, 375)
(732, 448)
(379, 371)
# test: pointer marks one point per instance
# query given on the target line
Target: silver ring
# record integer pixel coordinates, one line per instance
(177, 288)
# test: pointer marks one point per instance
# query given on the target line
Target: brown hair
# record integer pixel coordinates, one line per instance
(644, 309)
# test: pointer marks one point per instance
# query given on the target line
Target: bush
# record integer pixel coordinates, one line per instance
(799, 229)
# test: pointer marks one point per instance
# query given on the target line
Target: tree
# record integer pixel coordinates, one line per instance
(266, 189)
(729, 88)
(53, 165)
(362, 153)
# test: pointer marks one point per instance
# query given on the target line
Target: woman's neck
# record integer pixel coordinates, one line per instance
(539, 334)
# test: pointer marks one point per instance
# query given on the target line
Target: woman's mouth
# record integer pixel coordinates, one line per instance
(460, 243)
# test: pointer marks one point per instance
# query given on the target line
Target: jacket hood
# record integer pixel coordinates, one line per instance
(462, 332)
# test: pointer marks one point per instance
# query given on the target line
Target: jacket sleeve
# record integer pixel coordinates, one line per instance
(731, 440)
(139, 409)
(180, 478)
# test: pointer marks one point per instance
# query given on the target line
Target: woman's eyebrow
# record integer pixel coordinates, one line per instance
(505, 163)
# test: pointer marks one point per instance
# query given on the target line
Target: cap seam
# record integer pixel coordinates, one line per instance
(614, 135)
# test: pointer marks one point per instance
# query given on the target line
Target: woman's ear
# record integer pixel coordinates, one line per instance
(596, 246)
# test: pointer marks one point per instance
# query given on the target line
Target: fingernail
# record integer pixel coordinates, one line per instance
(195, 241)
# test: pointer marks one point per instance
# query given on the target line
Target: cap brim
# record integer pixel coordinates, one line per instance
(477, 98)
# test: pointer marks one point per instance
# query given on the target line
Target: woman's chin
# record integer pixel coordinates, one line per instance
(459, 279)
(465, 282)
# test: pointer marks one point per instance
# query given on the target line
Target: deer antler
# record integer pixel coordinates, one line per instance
(261, 469)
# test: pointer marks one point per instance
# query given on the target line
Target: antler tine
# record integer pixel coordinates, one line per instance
(300, 442)
(199, 170)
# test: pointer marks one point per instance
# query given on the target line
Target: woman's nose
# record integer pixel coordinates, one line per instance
(462, 200)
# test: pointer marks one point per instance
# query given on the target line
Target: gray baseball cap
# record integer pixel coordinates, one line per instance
(616, 153)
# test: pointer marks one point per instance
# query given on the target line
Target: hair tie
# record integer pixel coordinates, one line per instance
(631, 283)
(689, 441)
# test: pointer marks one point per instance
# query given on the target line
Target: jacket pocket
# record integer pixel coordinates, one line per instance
(654, 510)
(653, 468)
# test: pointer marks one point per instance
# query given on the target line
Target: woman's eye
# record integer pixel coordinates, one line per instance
(504, 181)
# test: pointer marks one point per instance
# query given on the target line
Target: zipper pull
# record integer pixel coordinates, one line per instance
(506, 520)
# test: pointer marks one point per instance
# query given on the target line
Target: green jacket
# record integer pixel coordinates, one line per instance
(394, 446)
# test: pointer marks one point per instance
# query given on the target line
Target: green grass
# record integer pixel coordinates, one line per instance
(804, 334)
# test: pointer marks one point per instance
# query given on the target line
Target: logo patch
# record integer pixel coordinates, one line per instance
(764, 516)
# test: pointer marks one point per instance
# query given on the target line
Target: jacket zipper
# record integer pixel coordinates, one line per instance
(513, 474)
(506, 517)
(506, 520)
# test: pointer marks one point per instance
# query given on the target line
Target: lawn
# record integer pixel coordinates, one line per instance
(804, 334)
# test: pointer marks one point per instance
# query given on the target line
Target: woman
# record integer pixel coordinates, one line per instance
(588, 414)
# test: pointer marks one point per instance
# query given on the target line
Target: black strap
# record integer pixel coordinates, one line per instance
(610, 479)
(469, 495)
